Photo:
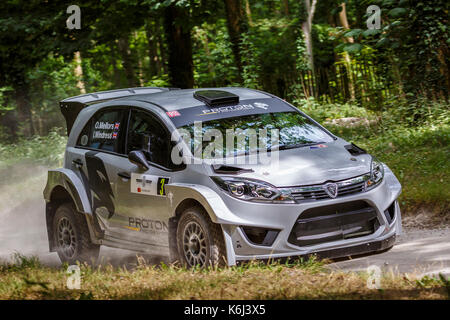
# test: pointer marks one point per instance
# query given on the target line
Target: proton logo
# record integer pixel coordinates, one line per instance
(331, 189)
(261, 105)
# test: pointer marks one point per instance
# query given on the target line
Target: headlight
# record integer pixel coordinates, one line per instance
(252, 190)
(376, 173)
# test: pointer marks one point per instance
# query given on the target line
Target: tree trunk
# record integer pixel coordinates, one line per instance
(155, 63)
(9, 119)
(344, 23)
(203, 37)
(237, 25)
(248, 12)
(24, 108)
(178, 36)
(161, 48)
(286, 7)
(140, 70)
(310, 8)
(127, 60)
(79, 72)
(117, 77)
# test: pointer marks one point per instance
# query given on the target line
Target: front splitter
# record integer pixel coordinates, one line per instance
(361, 249)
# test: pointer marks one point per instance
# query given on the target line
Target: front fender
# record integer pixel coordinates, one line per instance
(214, 206)
(208, 198)
(69, 181)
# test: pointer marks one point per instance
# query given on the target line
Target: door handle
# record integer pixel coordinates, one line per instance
(77, 162)
(124, 175)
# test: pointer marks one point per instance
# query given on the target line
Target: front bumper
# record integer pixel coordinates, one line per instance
(282, 219)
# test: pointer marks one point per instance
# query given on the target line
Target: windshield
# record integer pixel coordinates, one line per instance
(245, 134)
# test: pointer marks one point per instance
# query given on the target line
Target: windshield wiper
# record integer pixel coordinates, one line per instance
(298, 145)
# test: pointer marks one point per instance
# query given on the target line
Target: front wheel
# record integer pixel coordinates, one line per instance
(200, 241)
(72, 236)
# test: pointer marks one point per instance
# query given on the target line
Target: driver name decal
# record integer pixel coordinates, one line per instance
(106, 130)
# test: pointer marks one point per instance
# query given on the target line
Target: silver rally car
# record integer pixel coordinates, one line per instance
(133, 179)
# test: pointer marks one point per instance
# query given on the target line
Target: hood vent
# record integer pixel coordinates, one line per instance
(354, 150)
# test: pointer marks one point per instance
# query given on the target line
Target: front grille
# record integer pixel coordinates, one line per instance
(334, 222)
(317, 192)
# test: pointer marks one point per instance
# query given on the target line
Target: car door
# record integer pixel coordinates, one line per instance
(141, 196)
(98, 155)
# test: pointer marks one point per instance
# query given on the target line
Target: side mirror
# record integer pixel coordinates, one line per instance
(139, 159)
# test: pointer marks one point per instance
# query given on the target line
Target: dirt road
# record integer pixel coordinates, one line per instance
(23, 230)
(422, 252)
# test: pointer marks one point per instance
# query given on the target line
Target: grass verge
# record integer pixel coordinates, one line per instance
(28, 279)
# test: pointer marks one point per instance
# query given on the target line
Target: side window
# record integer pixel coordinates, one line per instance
(105, 131)
(147, 134)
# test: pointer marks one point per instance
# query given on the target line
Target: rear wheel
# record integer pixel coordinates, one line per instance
(200, 241)
(72, 236)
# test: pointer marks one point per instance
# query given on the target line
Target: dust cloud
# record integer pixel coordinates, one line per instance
(22, 220)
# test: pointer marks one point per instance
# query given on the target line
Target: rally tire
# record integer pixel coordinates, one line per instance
(200, 242)
(71, 236)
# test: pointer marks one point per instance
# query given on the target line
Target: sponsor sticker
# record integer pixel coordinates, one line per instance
(261, 105)
(318, 146)
(172, 114)
(146, 225)
(148, 184)
(227, 109)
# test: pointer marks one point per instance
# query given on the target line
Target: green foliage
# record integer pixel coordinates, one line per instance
(45, 150)
(407, 58)
(23, 25)
(416, 35)
(323, 112)
(414, 141)
(251, 68)
(270, 55)
(213, 59)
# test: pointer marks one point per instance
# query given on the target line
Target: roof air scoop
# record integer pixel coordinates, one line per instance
(216, 97)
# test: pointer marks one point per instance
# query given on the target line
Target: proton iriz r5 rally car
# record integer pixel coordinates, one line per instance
(134, 178)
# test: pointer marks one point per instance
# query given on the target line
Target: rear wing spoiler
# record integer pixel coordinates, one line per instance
(71, 107)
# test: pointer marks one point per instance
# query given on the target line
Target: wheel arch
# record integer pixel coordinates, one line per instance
(63, 186)
(181, 196)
